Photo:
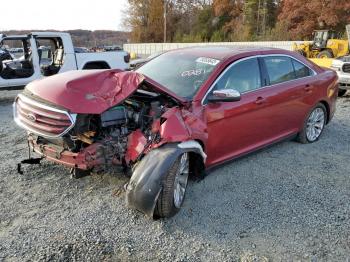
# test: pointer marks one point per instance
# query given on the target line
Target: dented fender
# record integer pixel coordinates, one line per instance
(146, 183)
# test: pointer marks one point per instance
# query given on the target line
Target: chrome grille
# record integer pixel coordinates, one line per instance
(346, 68)
(41, 119)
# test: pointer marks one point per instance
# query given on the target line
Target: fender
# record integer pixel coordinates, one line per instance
(146, 182)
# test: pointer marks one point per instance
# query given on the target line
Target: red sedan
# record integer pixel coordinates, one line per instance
(183, 112)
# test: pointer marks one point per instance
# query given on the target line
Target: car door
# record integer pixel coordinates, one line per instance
(235, 128)
(21, 81)
(288, 85)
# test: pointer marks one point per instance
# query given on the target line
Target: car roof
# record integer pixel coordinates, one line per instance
(222, 52)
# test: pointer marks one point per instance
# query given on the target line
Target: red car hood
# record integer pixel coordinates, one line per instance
(90, 91)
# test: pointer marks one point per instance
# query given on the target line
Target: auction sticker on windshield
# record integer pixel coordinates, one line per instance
(207, 60)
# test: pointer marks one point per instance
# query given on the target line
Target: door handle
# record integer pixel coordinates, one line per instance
(308, 88)
(260, 100)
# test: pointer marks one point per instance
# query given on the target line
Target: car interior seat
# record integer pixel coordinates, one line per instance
(57, 62)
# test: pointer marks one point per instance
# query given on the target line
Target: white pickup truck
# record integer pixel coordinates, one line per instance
(342, 66)
(49, 53)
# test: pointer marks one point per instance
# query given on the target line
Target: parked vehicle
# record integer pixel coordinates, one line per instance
(184, 111)
(81, 50)
(326, 44)
(30, 65)
(136, 63)
(342, 66)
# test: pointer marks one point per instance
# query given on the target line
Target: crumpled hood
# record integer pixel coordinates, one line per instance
(87, 92)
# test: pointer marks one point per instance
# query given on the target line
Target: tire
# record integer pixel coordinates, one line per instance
(312, 129)
(168, 205)
(325, 54)
(341, 92)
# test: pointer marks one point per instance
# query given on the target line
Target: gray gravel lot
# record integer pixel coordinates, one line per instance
(288, 202)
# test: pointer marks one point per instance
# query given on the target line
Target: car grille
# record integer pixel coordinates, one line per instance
(41, 119)
(346, 68)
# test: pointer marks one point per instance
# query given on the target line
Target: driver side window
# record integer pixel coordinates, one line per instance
(244, 76)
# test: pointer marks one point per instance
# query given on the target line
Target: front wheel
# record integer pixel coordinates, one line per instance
(174, 188)
(314, 125)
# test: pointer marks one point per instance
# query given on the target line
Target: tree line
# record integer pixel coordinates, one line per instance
(84, 38)
(233, 20)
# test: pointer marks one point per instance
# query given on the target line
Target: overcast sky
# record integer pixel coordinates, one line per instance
(62, 14)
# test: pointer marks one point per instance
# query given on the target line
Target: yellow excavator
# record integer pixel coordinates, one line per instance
(326, 44)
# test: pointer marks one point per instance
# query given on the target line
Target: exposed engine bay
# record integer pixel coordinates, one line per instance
(109, 120)
(121, 135)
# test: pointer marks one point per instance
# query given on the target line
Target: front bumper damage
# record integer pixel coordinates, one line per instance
(145, 184)
(84, 160)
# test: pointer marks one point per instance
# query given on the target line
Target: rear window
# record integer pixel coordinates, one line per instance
(283, 68)
(300, 69)
(279, 69)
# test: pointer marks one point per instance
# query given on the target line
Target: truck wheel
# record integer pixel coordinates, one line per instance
(325, 54)
(174, 188)
(313, 125)
(341, 92)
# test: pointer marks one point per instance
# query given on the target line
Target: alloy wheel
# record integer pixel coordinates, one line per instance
(180, 182)
(315, 124)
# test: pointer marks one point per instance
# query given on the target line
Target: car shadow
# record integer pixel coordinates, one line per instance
(280, 195)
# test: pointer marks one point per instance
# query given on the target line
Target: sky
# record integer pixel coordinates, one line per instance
(62, 14)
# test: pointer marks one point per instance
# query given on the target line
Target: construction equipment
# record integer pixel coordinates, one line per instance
(326, 44)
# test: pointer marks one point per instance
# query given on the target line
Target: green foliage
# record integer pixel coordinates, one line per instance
(218, 36)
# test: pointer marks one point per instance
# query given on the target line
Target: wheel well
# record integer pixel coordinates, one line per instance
(327, 108)
(96, 65)
(197, 167)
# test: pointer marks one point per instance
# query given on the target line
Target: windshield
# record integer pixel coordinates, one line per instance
(181, 73)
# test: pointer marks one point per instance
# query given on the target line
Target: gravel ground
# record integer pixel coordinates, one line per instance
(288, 202)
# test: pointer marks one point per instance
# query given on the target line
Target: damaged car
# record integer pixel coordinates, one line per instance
(178, 115)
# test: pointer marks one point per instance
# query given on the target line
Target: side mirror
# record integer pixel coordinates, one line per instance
(225, 95)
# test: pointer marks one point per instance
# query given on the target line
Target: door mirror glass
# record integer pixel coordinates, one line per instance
(225, 95)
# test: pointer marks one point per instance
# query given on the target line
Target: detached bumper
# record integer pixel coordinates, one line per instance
(344, 80)
(85, 160)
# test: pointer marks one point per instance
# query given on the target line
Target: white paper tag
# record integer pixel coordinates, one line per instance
(207, 60)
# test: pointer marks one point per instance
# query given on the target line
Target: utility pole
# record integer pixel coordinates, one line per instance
(165, 14)
(258, 19)
(264, 18)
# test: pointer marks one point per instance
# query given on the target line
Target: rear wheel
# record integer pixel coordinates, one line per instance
(325, 54)
(174, 188)
(342, 92)
(314, 125)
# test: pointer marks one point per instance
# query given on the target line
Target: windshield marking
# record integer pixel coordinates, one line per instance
(207, 60)
(193, 72)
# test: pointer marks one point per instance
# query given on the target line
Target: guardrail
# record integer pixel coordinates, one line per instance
(144, 49)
